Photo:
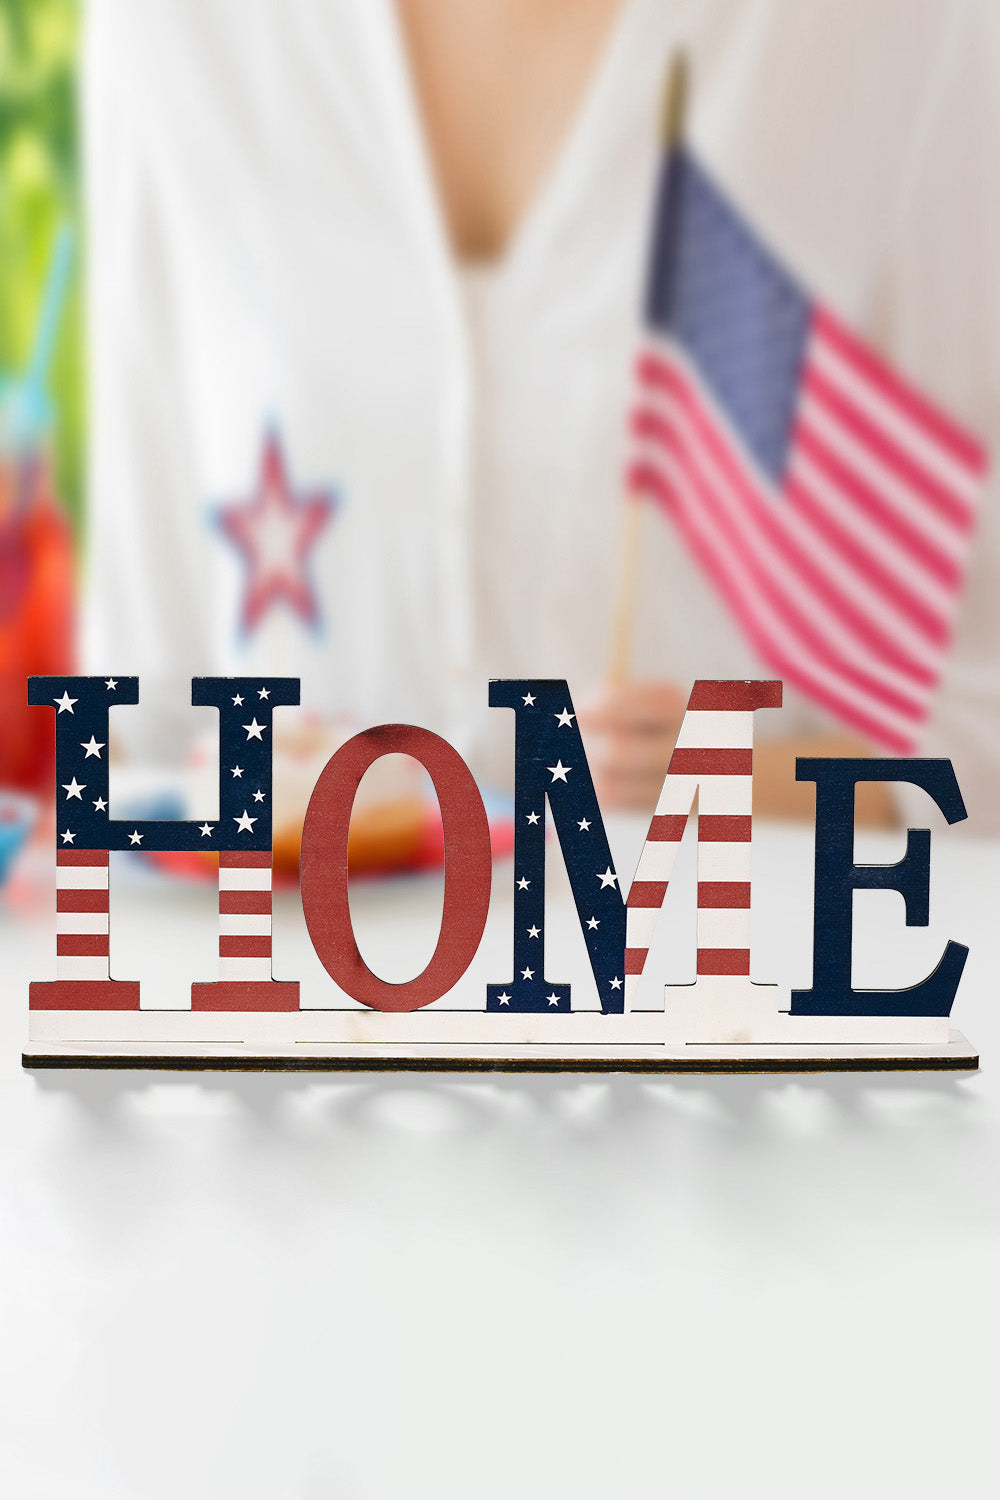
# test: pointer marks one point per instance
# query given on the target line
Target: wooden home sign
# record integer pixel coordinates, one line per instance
(527, 1019)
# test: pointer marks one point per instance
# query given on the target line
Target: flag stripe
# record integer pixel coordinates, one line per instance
(854, 538)
(82, 900)
(236, 923)
(730, 830)
(736, 697)
(706, 729)
(722, 762)
(635, 961)
(244, 902)
(766, 633)
(759, 560)
(250, 859)
(723, 961)
(644, 893)
(724, 861)
(785, 654)
(724, 926)
(67, 856)
(734, 894)
(257, 971)
(959, 477)
(753, 516)
(875, 585)
(82, 945)
(955, 509)
(802, 569)
(964, 449)
(668, 826)
(244, 946)
(82, 986)
(860, 482)
(74, 969)
(244, 879)
(75, 922)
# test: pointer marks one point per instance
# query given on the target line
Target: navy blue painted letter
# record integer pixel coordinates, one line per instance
(838, 877)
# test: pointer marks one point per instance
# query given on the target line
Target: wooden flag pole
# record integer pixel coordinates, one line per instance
(623, 625)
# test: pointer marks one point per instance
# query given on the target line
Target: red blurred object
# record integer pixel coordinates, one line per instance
(37, 615)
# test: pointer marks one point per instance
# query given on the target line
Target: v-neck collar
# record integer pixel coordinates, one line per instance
(391, 65)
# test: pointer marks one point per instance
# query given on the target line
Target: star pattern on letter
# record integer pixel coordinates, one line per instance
(275, 530)
(206, 830)
(254, 730)
(74, 788)
(93, 746)
(616, 984)
(100, 805)
(549, 750)
(135, 837)
(258, 795)
(238, 701)
(65, 703)
(111, 684)
(504, 998)
(244, 823)
(264, 693)
(237, 770)
(67, 837)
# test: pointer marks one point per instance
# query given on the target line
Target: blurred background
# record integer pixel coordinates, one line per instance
(356, 403)
(42, 397)
(363, 287)
(39, 194)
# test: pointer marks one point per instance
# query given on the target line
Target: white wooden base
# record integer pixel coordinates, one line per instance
(357, 1039)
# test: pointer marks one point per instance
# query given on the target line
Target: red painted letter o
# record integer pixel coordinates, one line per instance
(468, 867)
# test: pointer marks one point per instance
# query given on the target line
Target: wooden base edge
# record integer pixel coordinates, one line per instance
(262, 1064)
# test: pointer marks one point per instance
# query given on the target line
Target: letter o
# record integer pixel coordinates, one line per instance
(468, 867)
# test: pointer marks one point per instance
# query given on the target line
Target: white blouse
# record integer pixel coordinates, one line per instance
(265, 247)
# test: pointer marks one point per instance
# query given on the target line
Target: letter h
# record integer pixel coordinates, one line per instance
(85, 835)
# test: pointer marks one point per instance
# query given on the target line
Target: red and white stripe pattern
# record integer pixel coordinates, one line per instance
(846, 576)
(83, 980)
(245, 916)
(82, 914)
(713, 758)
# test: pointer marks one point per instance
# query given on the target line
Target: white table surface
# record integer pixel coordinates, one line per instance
(310, 1288)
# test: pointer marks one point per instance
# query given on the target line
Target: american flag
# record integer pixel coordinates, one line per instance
(829, 502)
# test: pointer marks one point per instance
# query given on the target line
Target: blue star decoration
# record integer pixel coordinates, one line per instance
(275, 529)
(550, 766)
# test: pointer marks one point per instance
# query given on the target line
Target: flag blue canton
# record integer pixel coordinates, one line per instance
(738, 315)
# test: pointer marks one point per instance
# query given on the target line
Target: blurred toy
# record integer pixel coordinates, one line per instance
(37, 586)
(17, 818)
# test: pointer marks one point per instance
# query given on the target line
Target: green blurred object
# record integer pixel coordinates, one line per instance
(39, 191)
